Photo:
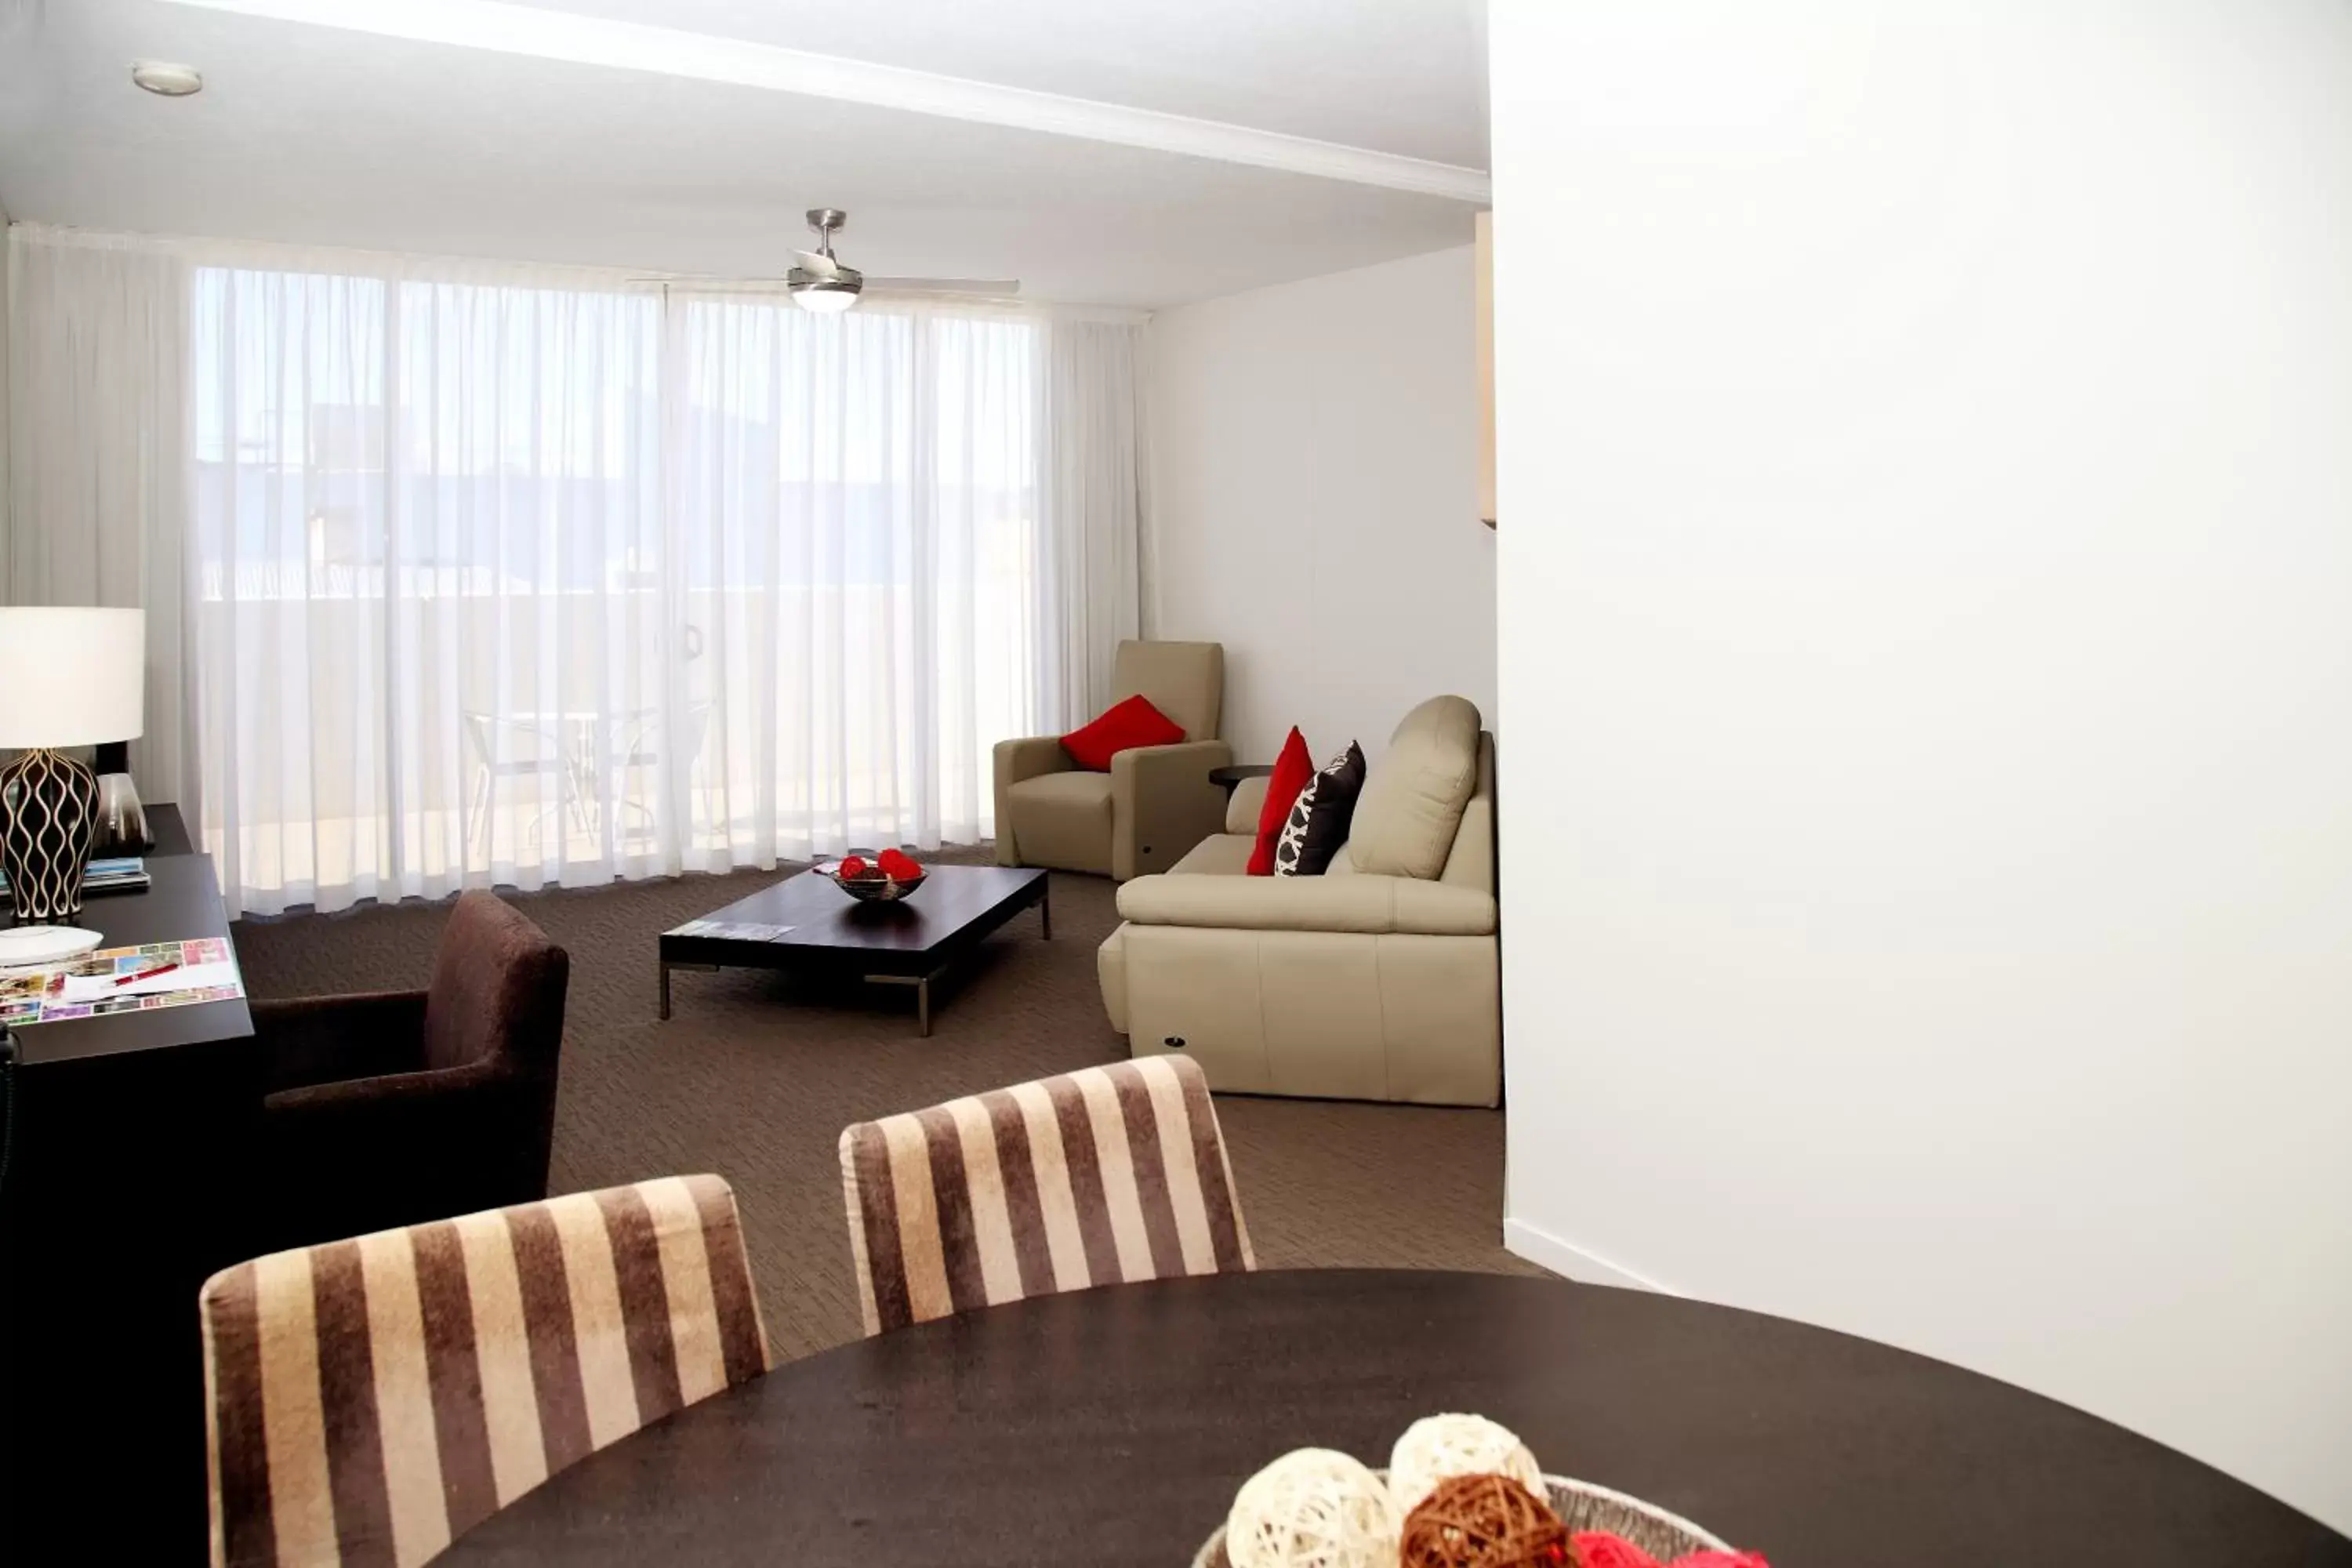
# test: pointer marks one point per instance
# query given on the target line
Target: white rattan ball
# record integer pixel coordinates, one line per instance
(1436, 1446)
(1313, 1508)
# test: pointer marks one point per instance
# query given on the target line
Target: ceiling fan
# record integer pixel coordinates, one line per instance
(818, 282)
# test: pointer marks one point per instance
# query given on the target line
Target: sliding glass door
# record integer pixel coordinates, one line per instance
(510, 579)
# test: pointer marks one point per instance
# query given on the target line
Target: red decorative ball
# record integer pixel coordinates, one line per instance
(1484, 1521)
(1599, 1549)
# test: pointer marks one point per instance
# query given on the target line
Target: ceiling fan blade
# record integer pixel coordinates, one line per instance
(820, 266)
(995, 287)
(694, 285)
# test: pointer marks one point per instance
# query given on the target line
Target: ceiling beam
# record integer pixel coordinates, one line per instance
(633, 46)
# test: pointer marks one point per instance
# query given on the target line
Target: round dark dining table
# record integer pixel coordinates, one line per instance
(1111, 1428)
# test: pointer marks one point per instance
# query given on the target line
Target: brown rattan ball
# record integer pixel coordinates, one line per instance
(1483, 1521)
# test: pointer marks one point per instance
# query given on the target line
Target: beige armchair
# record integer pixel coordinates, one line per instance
(1378, 980)
(1154, 805)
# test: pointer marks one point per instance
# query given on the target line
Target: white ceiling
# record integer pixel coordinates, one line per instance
(335, 136)
(1397, 76)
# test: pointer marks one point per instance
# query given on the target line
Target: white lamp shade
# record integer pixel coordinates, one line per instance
(71, 677)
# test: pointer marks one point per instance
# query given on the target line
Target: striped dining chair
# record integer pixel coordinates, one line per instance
(371, 1399)
(1112, 1175)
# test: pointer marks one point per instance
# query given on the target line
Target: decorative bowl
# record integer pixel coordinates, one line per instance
(874, 889)
(1582, 1506)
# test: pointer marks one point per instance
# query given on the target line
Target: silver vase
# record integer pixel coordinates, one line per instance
(122, 828)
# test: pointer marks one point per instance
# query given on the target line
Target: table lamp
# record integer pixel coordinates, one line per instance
(68, 677)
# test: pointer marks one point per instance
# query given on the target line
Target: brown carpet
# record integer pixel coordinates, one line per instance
(754, 1078)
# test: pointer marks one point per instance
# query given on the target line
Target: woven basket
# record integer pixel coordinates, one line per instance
(1582, 1506)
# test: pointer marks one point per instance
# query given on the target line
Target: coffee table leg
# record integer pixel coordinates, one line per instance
(1045, 910)
(922, 984)
(666, 967)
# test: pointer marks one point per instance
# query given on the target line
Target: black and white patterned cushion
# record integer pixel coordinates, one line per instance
(1293, 836)
(1319, 820)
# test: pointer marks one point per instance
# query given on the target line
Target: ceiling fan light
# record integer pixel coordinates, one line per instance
(167, 79)
(823, 296)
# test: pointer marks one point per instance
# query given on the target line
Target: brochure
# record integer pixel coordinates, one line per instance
(121, 980)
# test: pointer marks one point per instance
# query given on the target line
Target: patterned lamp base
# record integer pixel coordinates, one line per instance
(50, 801)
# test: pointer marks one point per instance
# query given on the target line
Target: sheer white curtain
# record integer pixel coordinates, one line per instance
(856, 571)
(1094, 456)
(428, 541)
(513, 575)
(98, 345)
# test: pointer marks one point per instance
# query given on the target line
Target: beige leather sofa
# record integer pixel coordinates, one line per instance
(1378, 980)
(1156, 802)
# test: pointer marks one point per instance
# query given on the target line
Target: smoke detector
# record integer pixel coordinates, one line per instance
(167, 79)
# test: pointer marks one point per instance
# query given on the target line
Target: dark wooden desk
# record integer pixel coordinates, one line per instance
(127, 1189)
(1113, 1426)
(183, 901)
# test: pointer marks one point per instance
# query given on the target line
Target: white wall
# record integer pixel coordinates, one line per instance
(1314, 500)
(1926, 619)
(7, 545)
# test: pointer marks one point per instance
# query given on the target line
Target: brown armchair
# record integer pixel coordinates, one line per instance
(396, 1108)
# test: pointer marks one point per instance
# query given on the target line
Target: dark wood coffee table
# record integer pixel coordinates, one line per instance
(832, 935)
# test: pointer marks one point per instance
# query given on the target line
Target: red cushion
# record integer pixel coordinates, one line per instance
(1134, 723)
(1292, 769)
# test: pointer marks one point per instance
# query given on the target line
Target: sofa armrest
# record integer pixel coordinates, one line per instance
(326, 1040)
(1364, 903)
(483, 1115)
(1026, 758)
(358, 1102)
(1029, 756)
(1248, 804)
(1162, 803)
(343, 1158)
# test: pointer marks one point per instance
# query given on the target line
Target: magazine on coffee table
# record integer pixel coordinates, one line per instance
(732, 931)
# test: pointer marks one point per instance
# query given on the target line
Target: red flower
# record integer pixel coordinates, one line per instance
(899, 865)
(854, 868)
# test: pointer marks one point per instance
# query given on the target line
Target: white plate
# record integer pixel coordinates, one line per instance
(20, 945)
